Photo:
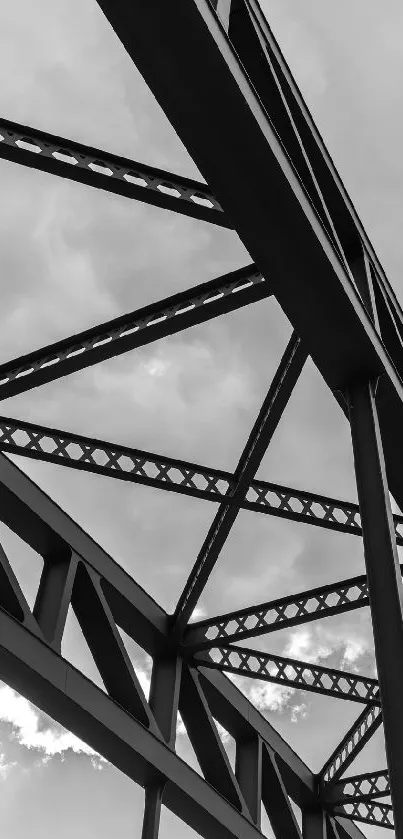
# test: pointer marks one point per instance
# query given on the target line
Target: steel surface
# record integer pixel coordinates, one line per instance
(216, 64)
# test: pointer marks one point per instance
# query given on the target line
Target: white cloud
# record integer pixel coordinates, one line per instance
(198, 613)
(270, 697)
(303, 645)
(30, 730)
(313, 646)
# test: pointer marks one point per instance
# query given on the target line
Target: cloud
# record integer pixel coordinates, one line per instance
(198, 613)
(313, 646)
(34, 730)
(303, 645)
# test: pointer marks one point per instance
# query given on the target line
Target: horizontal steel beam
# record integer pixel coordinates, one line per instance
(321, 602)
(110, 172)
(135, 329)
(359, 787)
(128, 464)
(290, 672)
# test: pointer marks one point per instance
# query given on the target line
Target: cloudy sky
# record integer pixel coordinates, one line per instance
(71, 257)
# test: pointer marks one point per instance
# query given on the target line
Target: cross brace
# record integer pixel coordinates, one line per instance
(359, 787)
(128, 464)
(368, 812)
(354, 741)
(321, 602)
(290, 672)
(83, 164)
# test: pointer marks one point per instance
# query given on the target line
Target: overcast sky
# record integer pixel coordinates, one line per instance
(71, 257)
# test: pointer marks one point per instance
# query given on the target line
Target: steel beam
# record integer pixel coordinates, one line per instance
(93, 167)
(54, 596)
(280, 390)
(275, 799)
(314, 824)
(248, 771)
(383, 575)
(339, 202)
(244, 722)
(206, 742)
(321, 602)
(353, 742)
(36, 670)
(128, 464)
(40, 674)
(36, 519)
(152, 811)
(290, 672)
(359, 787)
(256, 184)
(28, 511)
(135, 329)
(368, 812)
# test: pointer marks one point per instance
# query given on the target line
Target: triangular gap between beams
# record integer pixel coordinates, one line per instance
(228, 742)
(77, 652)
(172, 826)
(184, 748)
(312, 449)
(94, 61)
(26, 563)
(141, 661)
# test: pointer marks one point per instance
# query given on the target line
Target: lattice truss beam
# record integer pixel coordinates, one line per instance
(342, 300)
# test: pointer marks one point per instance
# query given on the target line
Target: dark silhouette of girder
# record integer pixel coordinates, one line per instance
(217, 64)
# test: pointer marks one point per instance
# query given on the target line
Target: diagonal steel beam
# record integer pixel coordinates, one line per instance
(359, 787)
(135, 329)
(270, 414)
(352, 744)
(138, 466)
(290, 672)
(119, 175)
(268, 617)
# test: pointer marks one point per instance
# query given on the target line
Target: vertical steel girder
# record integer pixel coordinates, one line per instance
(383, 575)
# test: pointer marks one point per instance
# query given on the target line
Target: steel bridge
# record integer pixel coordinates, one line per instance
(269, 178)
